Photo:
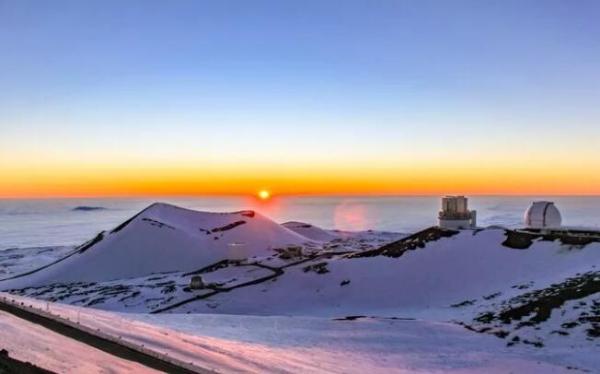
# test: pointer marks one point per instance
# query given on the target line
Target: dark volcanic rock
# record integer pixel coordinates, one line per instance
(10, 365)
(417, 240)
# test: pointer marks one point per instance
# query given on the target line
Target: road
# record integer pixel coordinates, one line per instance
(108, 346)
(277, 271)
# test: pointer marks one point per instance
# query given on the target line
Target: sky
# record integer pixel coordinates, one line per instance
(120, 98)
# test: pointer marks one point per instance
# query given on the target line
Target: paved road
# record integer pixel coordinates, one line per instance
(102, 344)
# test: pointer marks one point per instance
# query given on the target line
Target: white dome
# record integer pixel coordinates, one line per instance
(542, 214)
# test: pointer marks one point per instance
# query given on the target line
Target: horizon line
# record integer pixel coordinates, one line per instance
(296, 195)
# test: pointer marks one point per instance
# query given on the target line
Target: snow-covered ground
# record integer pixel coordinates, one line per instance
(165, 238)
(421, 283)
(425, 282)
(29, 342)
(492, 300)
(310, 344)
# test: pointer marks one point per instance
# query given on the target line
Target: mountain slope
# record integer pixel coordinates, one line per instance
(165, 238)
(310, 231)
(250, 344)
(426, 280)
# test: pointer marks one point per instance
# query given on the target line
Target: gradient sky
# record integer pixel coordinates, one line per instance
(305, 97)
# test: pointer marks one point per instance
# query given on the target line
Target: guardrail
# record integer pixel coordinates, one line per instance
(103, 335)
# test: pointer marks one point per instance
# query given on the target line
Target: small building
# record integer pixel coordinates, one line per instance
(197, 283)
(542, 215)
(289, 252)
(455, 213)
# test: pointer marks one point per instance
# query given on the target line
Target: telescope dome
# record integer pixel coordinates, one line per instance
(542, 214)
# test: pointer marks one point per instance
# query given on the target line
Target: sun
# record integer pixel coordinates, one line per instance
(264, 194)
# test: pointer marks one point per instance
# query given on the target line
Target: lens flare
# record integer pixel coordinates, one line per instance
(351, 215)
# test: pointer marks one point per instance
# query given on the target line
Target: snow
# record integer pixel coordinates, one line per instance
(422, 283)
(167, 238)
(263, 312)
(310, 231)
(29, 342)
(311, 345)
(149, 293)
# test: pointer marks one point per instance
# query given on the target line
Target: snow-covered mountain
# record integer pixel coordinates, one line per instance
(526, 287)
(420, 277)
(424, 275)
(165, 238)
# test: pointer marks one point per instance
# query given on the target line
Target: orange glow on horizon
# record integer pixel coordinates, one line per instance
(37, 181)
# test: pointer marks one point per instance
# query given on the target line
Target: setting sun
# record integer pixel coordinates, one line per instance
(264, 194)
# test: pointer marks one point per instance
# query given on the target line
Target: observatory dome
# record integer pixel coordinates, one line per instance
(542, 214)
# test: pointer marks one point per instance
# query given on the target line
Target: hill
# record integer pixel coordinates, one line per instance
(421, 276)
(166, 238)
(526, 287)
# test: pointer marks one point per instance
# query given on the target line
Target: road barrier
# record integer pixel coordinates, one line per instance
(20, 304)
